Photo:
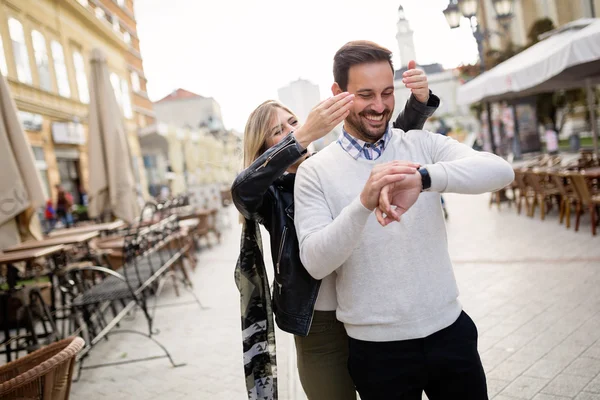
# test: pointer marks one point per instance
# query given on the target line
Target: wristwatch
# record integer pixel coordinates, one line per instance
(425, 178)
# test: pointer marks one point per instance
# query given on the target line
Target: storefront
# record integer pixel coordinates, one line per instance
(70, 152)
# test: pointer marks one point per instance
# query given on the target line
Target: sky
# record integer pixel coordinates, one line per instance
(241, 51)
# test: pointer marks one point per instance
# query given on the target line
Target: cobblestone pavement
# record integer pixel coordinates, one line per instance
(532, 287)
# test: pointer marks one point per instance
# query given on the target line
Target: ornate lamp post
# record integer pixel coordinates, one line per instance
(468, 9)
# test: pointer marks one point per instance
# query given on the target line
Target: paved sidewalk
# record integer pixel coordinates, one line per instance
(532, 287)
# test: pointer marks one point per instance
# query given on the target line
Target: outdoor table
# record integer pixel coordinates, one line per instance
(76, 239)
(11, 271)
(26, 255)
(109, 226)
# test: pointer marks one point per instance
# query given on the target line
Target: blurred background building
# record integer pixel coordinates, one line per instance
(44, 53)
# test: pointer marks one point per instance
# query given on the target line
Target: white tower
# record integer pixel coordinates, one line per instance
(406, 45)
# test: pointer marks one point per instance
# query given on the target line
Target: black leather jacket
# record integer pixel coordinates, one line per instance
(265, 193)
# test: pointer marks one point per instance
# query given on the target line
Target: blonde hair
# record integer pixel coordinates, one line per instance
(257, 130)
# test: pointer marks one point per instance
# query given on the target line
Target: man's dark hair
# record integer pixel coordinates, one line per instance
(355, 53)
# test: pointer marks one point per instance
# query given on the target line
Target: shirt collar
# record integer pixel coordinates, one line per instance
(357, 148)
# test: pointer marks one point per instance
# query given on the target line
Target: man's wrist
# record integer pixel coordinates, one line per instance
(364, 202)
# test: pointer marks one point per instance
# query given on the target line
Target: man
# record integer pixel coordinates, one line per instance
(396, 291)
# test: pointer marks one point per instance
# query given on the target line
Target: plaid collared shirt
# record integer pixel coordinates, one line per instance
(357, 148)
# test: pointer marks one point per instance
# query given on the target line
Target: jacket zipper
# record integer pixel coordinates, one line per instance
(281, 249)
(274, 154)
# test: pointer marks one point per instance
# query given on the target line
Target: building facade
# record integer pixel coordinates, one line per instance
(188, 146)
(526, 13)
(44, 55)
(184, 109)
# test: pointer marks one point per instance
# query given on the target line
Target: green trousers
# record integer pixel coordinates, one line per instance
(323, 359)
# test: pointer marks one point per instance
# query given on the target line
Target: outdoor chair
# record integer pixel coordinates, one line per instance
(544, 192)
(42, 375)
(525, 192)
(568, 196)
(586, 199)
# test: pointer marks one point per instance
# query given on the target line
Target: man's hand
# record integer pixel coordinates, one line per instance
(402, 194)
(383, 175)
(416, 80)
(324, 117)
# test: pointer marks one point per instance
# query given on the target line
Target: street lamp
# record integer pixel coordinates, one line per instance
(503, 8)
(468, 9)
(452, 14)
(504, 12)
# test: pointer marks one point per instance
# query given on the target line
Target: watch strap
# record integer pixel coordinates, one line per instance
(425, 178)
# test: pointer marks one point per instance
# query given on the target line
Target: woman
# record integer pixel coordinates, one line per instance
(274, 146)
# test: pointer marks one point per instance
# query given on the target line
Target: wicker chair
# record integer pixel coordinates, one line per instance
(586, 198)
(526, 192)
(544, 191)
(44, 374)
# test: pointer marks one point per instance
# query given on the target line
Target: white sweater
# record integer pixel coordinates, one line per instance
(397, 282)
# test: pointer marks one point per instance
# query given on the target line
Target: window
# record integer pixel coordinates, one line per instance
(116, 85)
(83, 2)
(17, 35)
(127, 111)
(121, 3)
(81, 78)
(150, 161)
(115, 24)
(3, 68)
(99, 13)
(42, 167)
(121, 89)
(40, 52)
(127, 37)
(135, 82)
(62, 78)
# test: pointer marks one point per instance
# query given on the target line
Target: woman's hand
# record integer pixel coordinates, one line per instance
(416, 80)
(324, 117)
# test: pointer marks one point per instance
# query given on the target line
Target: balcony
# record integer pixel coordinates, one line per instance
(102, 27)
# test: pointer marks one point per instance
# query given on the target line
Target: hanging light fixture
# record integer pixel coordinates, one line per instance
(468, 8)
(503, 8)
(452, 14)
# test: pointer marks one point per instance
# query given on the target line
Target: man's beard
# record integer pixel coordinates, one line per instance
(361, 127)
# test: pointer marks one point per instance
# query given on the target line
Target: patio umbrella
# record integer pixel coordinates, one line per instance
(566, 58)
(21, 188)
(112, 186)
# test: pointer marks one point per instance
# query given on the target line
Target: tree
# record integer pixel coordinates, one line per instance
(539, 27)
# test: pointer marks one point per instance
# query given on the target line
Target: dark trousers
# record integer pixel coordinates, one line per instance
(446, 365)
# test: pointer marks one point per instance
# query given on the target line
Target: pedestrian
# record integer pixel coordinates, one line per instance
(49, 216)
(376, 225)
(551, 140)
(275, 144)
(64, 201)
